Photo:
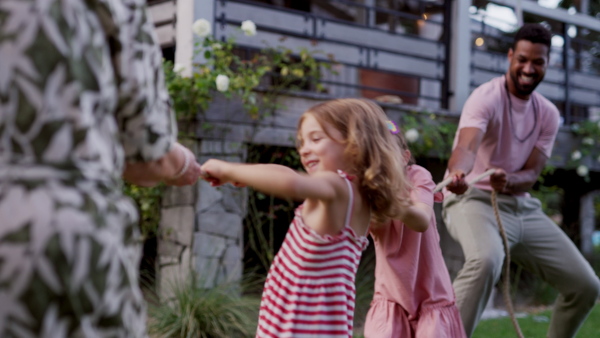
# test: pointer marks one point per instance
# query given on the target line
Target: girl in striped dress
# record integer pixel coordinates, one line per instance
(354, 176)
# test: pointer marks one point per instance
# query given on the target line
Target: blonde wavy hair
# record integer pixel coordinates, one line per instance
(372, 151)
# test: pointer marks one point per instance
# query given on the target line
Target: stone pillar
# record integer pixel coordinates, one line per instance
(175, 238)
(220, 211)
(175, 233)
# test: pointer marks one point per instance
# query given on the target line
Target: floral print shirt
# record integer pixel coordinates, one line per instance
(81, 93)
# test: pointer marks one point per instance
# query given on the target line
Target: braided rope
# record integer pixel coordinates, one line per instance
(506, 272)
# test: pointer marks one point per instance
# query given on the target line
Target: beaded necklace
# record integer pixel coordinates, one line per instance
(510, 114)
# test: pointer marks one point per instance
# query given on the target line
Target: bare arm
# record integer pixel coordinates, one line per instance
(275, 180)
(522, 180)
(417, 216)
(171, 169)
(463, 158)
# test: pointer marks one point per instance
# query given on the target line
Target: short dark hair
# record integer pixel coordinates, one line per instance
(535, 33)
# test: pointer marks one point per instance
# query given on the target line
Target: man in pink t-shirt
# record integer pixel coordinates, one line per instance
(507, 126)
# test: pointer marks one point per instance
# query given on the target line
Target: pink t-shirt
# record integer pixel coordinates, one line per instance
(507, 145)
(410, 268)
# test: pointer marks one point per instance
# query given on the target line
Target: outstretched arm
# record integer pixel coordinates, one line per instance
(463, 158)
(275, 180)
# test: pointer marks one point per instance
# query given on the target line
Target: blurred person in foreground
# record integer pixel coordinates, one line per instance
(507, 126)
(82, 105)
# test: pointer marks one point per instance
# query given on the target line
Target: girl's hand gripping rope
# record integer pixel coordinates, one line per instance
(214, 172)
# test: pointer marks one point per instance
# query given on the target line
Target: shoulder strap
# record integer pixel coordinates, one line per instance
(350, 200)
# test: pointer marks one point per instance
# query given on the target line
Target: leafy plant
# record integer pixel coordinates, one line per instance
(148, 201)
(223, 69)
(550, 197)
(194, 311)
(428, 135)
(588, 134)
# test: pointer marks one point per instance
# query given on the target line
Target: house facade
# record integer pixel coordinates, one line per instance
(427, 55)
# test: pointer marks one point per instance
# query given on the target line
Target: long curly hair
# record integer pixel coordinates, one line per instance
(372, 151)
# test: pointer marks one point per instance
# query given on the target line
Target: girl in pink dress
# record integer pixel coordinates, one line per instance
(413, 292)
(354, 175)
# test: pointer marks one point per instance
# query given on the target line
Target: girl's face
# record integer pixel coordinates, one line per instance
(319, 151)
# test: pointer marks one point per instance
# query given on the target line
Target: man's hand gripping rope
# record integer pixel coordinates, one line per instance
(506, 282)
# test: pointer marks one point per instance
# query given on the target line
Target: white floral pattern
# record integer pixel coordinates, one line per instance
(81, 92)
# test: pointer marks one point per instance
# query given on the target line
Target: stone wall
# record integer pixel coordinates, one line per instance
(175, 241)
(201, 226)
(220, 211)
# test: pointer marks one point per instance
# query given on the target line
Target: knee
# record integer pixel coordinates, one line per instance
(590, 288)
(487, 264)
(584, 290)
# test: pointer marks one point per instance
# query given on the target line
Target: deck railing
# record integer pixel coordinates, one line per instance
(407, 51)
(377, 50)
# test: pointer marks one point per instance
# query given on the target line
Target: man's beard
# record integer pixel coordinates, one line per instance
(524, 90)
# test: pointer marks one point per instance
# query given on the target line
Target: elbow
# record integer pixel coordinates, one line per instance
(422, 217)
(416, 224)
(421, 227)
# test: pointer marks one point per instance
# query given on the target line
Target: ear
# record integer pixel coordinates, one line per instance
(406, 154)
(510, 53)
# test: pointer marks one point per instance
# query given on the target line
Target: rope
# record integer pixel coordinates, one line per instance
(506, 281)
(506, 268)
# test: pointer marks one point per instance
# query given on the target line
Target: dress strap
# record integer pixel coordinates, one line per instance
(350, 200)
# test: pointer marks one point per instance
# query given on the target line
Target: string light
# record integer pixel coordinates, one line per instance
(479, 42)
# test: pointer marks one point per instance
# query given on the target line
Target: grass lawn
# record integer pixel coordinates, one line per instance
(534, 325)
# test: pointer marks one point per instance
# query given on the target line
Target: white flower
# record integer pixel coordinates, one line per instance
(249, 28)
(588, 141)
(178, 68)
(582, 171)
(574, 127)
(575, 155)
(222, 82)
(216, 46)
(201, 27)
(411, 135)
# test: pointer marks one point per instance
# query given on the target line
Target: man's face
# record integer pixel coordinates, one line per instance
(528, 63)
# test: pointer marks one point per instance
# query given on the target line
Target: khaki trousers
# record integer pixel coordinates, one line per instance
(536, 243)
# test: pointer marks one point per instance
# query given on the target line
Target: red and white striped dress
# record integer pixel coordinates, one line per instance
(310, 291)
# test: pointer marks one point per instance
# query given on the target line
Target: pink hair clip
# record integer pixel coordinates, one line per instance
(392, 127)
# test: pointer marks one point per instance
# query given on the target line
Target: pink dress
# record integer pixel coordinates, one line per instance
(413, 292)
(309, 291)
